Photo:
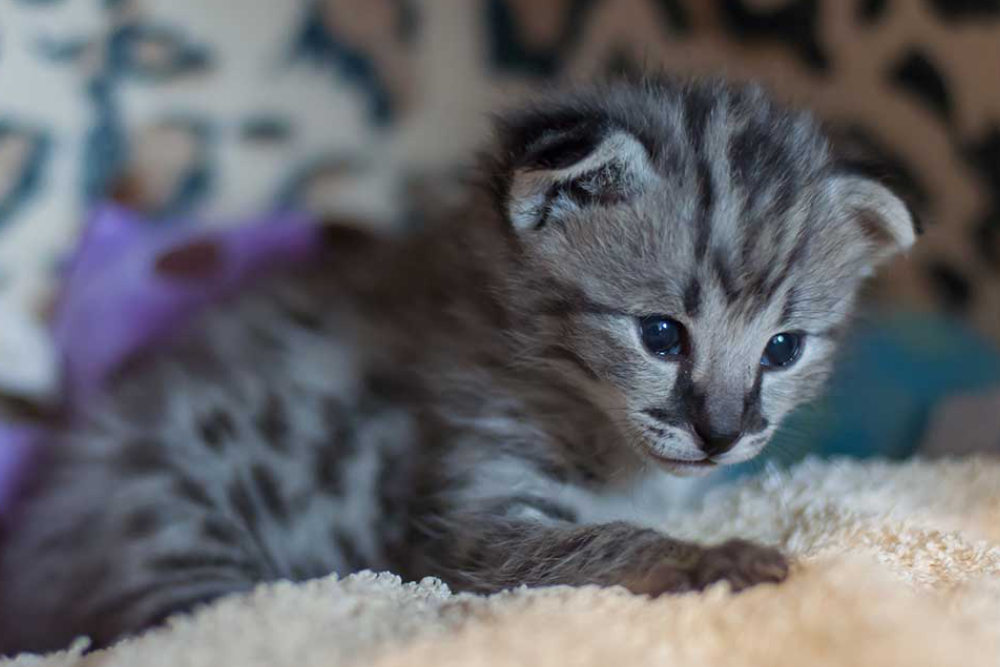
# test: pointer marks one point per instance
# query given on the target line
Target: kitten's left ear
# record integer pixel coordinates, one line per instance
(884, 218)
(873, 194)
(569, 169)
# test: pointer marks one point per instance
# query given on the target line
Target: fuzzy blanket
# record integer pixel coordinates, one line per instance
(896, 564)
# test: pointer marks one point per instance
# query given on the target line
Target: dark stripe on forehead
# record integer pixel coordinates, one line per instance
(724, 273)
(744, 148)
(692, 297)
(706, 203)
(698, 105)
(764, 169)
(763, 238)
(764, 271)
(795, 257)
(757, 156)
(769, 231)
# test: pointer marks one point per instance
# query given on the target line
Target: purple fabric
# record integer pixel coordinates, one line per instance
(131, 282)
(115, 299)
(16, 446)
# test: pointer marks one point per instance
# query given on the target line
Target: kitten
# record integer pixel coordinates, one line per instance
(653, 277)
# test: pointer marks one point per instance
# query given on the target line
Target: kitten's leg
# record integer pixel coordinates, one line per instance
(99, 554)
(485, 553)
(106, 596)
(173, 582)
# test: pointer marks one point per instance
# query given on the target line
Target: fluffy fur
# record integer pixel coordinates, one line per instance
(895, 564)
(474, 402)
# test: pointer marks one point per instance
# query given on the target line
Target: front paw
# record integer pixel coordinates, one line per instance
(741, 563)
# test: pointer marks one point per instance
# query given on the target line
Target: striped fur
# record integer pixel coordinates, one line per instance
(473, 402)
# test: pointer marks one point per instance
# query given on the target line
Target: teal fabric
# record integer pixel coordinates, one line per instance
(894, 369)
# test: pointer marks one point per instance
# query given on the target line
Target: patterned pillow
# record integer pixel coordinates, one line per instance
(226, 108)
(223, 109)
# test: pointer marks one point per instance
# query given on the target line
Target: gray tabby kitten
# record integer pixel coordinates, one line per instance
(654, 276)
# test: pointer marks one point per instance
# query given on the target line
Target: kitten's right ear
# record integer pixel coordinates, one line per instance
(565, 169)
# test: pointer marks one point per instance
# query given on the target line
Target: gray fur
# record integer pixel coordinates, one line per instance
(473, 402)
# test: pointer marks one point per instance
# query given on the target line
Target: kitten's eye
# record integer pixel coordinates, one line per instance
(782, 350)
(662, 336)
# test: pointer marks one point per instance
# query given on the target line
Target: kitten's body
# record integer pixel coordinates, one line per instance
(470, 403)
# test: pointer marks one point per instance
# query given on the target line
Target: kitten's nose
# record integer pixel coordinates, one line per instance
(714, 442)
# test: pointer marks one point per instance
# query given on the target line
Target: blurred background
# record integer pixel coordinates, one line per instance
(205, 112)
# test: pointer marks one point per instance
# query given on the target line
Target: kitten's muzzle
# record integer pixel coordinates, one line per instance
(713, 442)
(718, 419)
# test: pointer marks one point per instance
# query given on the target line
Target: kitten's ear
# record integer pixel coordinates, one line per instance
(564, 170)
(884, 218)
(874, 194)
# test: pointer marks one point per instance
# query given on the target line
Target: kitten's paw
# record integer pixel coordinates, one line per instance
(741, 563)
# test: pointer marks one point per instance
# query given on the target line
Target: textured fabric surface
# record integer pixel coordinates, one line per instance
(894, 565)
(227, 108)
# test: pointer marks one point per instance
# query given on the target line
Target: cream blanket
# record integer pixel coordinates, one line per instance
(895, 565)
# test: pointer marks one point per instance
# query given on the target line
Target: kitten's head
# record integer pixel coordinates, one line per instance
(688, 253)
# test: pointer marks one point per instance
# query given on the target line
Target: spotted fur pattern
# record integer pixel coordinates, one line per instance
(473, 402)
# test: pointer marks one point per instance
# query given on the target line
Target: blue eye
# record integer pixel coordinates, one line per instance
(662, 336)
(782, 350)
